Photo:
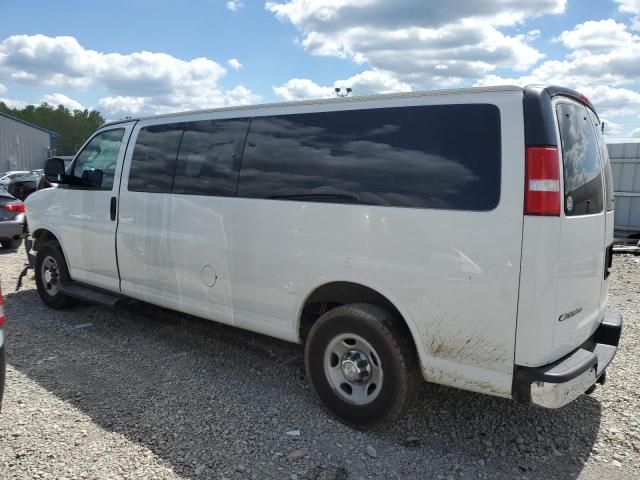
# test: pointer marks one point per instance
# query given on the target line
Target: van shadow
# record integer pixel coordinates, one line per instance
(207, 398)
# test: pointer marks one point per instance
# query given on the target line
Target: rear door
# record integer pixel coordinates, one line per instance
(608, 204)
(582, 229)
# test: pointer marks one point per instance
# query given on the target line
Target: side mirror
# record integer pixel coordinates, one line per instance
(92, 178)
(54, 170)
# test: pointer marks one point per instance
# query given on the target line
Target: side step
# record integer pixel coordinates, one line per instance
(94, 295)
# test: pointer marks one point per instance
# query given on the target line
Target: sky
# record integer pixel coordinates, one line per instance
(140, 57)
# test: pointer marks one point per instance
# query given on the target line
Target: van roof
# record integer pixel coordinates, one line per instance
(330, 101)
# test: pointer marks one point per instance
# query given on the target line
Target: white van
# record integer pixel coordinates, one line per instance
(458, 236)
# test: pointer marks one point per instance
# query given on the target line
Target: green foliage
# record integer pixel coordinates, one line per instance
(73, 127)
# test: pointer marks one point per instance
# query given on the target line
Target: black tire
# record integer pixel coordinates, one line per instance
(396, 359)
(52, 297)
(11, 244)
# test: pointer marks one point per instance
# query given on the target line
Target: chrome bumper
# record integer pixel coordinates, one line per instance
(559, 383)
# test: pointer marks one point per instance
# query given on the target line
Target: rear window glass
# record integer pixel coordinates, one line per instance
(154, 158)
(604, 158)
(581, 161)
(445, 156)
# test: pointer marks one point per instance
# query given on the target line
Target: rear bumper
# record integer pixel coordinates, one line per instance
(559, 383)
(12, 228)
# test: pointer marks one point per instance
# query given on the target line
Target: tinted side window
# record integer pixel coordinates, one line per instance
(604, 160)
(154, 158)
(101, 156)
(582, 171)
(207, 157)
(427, 157)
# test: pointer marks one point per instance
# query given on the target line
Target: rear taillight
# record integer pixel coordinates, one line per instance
(1, 310)
(17, 207)
(542, 182)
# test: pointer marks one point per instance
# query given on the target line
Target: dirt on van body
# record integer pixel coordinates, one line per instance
(143, 393)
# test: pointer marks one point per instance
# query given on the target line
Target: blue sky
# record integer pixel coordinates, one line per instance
(140, 57)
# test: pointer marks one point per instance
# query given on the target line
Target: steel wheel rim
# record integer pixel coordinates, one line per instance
(50, 275)
(353, 369)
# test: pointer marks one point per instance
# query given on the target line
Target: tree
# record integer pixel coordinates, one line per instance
(73, 127)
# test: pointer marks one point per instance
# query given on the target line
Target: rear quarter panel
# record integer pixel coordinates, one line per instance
(453, 275)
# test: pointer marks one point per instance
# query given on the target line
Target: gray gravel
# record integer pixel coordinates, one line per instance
(144, 393)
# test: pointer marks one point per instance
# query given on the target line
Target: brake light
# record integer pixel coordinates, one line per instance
(14, 207)
(542, 182)
(2, 318)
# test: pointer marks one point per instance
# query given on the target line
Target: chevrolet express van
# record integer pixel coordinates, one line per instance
(462, 237)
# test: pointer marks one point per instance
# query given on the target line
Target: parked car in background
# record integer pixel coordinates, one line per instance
(12, 220)
(3, 365)
(6, 177)
(24, 185)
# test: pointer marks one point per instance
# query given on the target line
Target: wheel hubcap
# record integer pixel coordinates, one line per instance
(353, 369)
(50, 276)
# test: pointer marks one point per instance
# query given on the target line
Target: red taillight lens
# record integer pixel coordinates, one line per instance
(1, 310)
(14, 207)
(542, 182)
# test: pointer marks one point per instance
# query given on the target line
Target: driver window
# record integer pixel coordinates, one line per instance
(99, 156)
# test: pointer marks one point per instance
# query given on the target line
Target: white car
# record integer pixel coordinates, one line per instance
(462, 237)
(6, 177)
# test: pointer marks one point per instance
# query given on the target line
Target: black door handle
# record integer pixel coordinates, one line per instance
(112, 210)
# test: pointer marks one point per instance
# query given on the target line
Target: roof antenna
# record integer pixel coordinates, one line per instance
(342, 95)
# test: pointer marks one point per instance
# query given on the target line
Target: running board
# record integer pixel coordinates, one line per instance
(93, 295)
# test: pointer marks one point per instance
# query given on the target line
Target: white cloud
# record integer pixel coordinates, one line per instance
(11, 103)
(163, 82)
(234, 63)
(365, 83)
(235, 5)
(602, 64)
(3, 89)
(121, 106)
(425, 44)
(629, 6)
(56, 99)
(598, 36)
(301, 89)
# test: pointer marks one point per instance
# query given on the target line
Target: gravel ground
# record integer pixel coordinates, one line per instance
(144, 393)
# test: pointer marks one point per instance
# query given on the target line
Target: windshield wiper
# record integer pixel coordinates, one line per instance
(320, 197)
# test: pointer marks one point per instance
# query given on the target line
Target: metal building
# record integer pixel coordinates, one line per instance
(24, 146)
(625, 168)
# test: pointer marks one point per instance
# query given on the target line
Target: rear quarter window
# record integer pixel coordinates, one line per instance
(440, 157)
(583, 193)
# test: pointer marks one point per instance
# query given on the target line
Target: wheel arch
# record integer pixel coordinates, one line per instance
(44, 235)
(331, 294)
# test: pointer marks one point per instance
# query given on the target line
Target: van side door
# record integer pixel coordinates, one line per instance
(87, 226)
(177, 198)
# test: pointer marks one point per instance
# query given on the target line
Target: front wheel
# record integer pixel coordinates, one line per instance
(51, 272)
(361, 364)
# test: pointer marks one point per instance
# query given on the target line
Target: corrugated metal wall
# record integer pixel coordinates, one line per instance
(625, 167)
(22, 147)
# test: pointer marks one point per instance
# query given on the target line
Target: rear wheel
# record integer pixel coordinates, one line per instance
(361, 364)
(11, 244)
(51, 272)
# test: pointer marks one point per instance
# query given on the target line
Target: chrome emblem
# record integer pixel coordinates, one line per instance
(568, 315)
